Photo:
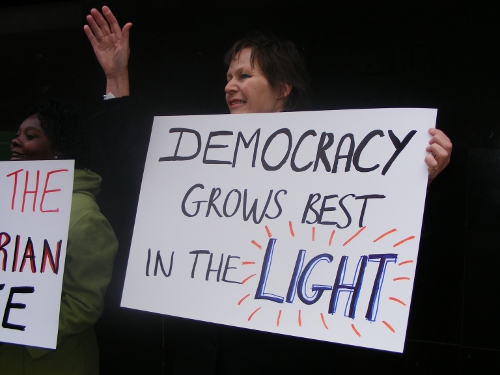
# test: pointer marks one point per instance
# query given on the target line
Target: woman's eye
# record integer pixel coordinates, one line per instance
(30, 136)
(245, 75)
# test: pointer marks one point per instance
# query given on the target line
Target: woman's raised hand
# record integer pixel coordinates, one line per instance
(439, 153)
(111, 47)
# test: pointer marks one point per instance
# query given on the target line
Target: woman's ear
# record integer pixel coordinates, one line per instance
(284, 91)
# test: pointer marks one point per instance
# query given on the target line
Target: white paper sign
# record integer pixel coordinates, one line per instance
(304, 224)
(35, 203)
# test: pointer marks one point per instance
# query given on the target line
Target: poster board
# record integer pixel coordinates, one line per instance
(35, 203)
(304, 224)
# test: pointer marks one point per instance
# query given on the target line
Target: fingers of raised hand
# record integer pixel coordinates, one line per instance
(90, 35)
(94, 33)
(113, 23)
(125, 33)
(100, 29)
(104, 32)
(100, 23)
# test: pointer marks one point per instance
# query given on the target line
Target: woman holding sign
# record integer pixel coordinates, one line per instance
(264, 75)
(54, 131)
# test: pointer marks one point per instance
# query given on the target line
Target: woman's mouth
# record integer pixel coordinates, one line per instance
(236, 103)
(17, 156)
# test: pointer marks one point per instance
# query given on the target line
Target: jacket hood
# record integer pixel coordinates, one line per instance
(86, 182)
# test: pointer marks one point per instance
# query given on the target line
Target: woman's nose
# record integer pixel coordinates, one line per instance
(15, 141)
(230, 87)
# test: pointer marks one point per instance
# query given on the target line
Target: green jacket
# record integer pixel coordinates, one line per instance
(91, 248)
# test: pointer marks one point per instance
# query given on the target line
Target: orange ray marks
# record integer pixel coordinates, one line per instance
(313, 234)
(244, 298)
(354, 236)
(256, 244)
(252, 314)
(397, 300)
(400, 278)
(290, 225)
(385, 234)
(248, 278)
(246, 263)
(278, 319)
(331, 238)
(355, 330)
(268, 232)
(323, 320)
(388, 326)
(405, 262)
(403, 241)
(300, 318)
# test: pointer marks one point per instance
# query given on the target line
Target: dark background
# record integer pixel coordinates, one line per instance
(360, 54)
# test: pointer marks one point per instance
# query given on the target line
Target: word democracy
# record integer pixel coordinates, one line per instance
(347, 148)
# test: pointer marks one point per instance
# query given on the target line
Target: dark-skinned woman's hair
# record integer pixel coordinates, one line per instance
(62, 124)
(282, 64)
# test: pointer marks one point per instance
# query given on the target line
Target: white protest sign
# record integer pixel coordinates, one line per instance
(303, 224)
(35, 203)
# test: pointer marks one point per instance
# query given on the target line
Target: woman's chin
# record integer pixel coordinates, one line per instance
(237, 109)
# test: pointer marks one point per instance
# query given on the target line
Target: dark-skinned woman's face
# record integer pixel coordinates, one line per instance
(31, 142)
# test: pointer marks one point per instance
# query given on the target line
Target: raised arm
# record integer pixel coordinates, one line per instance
(439, 153)
(111, 47)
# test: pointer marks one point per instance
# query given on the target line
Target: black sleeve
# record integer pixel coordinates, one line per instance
(123, 131)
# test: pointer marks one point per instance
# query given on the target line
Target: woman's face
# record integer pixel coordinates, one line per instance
(31, 142)
(247, 89)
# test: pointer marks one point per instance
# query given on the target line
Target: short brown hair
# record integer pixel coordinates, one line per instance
(282, 64)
